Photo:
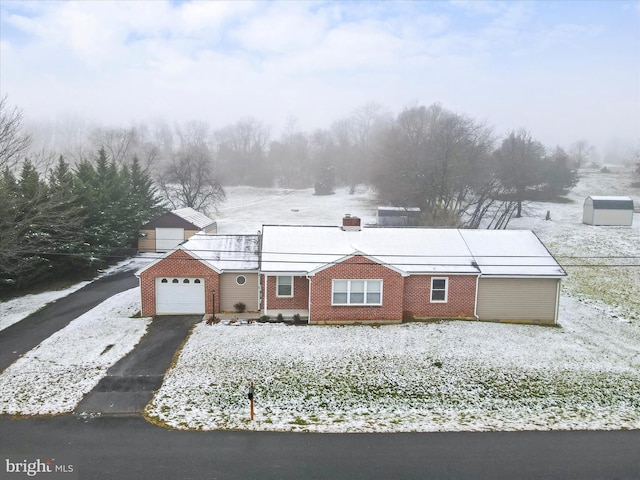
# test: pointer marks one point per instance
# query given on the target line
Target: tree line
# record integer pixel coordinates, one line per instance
(67, 221)
(72, 210)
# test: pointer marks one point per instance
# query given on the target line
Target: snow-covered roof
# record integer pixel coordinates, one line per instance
(221, 252)
(225, 252)
(510, 252)
(193, 216)
(305, 249)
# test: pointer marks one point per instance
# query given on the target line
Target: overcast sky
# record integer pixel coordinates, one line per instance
(564, 70)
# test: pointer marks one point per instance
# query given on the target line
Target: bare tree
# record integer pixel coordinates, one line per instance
(241, 153)
(581, 152)
(189, 179)
(290, 159)
(123, 144)
(520, 165)
(14, 142)
(438, 161)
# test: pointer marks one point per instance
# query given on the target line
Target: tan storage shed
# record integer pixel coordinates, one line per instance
(166, 232)
(608, 211)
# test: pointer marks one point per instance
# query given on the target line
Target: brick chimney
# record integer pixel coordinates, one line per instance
(351, 224)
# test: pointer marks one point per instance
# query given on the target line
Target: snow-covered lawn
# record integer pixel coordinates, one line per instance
(53, 377)
(414, 377)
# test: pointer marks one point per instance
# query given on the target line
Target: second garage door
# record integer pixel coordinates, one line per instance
(180, 296)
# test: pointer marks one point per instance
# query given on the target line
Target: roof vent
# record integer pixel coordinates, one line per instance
(351, 223)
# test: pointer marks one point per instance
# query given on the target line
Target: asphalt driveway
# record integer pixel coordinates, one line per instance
(131, 382)
(26, 334)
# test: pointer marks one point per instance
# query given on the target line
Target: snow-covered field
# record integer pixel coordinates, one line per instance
(248, 208)
(455, 375)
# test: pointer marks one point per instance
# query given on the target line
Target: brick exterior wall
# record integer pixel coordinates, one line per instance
(299, 301)
(178, 264)
(460, 299)
(357, 267)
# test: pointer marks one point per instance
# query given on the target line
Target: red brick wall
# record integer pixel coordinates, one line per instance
(356, 267)
(460, 298)
(178, 264)
(300, 299)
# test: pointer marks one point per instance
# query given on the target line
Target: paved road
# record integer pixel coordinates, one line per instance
(127, 447)
(22, 336)
(130, 383)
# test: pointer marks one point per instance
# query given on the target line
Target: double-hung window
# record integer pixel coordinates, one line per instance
(439, 290)
(357, 292)
(284, 286)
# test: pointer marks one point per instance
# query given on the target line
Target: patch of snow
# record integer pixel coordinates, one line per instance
(53, 377)
(17, 309)
(14, 310)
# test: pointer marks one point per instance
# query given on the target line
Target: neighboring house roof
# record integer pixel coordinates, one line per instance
(611, 202)
(220, 252)
(187, 218)
(306, 249)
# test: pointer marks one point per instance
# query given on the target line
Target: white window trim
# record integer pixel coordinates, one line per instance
(278, 284)
(446, 290)
(349, 280)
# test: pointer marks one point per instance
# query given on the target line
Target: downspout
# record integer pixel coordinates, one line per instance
(555, 320)
(259, 293)
(309, 300)
(266, 292)
(475, 302)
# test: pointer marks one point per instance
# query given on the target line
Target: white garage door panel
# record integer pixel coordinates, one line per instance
(168, 238)
(186, 296)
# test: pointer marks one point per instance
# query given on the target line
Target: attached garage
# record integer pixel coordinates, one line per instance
(608, 211)
(518, 299)
(207, 274)
(179, 296)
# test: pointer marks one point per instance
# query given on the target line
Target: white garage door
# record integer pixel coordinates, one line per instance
(179, 296)
(168, 238)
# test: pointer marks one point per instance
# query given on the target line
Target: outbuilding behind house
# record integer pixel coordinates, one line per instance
(172, 228)
(608, 211)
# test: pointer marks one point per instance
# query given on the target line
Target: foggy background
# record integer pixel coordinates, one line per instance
(565, 71)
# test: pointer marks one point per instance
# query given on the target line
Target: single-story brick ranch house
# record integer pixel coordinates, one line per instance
(169, 230)
(350, 274)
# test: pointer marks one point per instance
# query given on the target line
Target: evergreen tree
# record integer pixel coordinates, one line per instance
(40, 232)
(145, 200)
(115, 201)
